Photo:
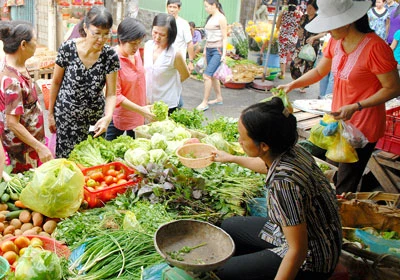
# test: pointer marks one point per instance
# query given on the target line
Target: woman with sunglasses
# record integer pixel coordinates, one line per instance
(131, 110)
(84, 67)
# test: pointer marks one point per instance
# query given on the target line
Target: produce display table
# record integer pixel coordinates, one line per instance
(386, 168)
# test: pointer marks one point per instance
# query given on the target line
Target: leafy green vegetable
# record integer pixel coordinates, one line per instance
(92, 151)
(137, 156)
(191, 119)
(157, 156)
(160, 110)
(121, 144)
(158, 141)
(226, 126)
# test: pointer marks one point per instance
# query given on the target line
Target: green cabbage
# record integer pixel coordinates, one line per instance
(137, 156)
(158, 156)
(38, 264)
(158, 141)
(181, 133)
(142, 143)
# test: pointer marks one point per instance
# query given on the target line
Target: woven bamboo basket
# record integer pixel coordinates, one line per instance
(196, 155)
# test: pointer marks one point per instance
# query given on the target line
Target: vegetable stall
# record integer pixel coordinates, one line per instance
(95, 214)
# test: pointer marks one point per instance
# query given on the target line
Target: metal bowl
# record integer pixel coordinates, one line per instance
(173, 236)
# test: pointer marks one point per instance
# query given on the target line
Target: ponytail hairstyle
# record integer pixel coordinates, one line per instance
(12, 33)
(271, 123)
(217, 4)
(97, 16)
(169, 22)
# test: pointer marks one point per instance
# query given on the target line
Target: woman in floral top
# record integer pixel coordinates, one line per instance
(21, 115)
(287, 24)
(84, 66)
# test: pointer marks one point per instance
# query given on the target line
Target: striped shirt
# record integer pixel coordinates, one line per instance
(298, 192)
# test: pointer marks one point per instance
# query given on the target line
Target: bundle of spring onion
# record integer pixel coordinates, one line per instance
(116, 254)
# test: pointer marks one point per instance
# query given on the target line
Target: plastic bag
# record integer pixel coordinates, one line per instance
(223, 73)
(56, 189)
(282, 95)
(341, 150)
(199, 67)
(307, 53)
(352, 134)
(38, 264)
(51, 144)
(323, 134)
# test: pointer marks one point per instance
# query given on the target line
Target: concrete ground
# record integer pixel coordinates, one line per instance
(235, 100)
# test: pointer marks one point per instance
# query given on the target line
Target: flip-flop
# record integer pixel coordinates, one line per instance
(216, 103)
(205, 108)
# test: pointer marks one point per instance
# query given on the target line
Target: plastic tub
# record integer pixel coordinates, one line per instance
(97, 198)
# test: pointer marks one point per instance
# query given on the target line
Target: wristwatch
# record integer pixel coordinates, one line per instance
(360, 107)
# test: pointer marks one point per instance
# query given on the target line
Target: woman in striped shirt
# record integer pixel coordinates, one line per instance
(301, 238)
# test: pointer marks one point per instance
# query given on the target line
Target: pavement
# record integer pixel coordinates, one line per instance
(235, 100)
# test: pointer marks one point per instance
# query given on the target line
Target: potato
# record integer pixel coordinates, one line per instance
(50, 226)
(3, 206)
(9, 230)
(37, 229)
(37, 219)
(16, 223)
(25, 216)
(2, 227)
(30, 232)
(43, 233)
(26, 227)
(11, 257)
(18, 232)
(2, 217)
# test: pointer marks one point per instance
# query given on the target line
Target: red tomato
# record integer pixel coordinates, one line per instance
(109, 179)
(91, 183)
(112, 172)
(87, 178)
(121, 181)
(121, 175)
(97, 176)
(113, 185)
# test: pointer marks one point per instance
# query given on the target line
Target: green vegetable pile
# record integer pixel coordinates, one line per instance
(191, 119)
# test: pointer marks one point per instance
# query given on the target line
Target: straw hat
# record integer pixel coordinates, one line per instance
(333, 14)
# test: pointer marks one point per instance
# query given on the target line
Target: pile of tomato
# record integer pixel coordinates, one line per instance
(106, 177)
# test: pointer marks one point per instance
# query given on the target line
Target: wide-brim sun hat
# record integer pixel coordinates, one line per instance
(333, 14)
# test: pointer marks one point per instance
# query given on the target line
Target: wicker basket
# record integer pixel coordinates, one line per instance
(196, 155)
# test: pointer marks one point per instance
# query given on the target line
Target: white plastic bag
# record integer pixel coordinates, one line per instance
(199, 67)
(307, 53)
(353, 135)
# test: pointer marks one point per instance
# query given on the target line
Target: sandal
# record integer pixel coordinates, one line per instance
(202, 108)
(302, 90)
(281, 76)
(215, 102)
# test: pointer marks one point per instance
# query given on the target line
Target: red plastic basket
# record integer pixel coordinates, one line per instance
(49, 244)
(390, 142)
(98, 198)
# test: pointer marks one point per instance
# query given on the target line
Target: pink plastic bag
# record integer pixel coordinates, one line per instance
(223, 73)
(51, 143)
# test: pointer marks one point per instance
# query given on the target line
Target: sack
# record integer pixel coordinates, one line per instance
(352, 134)
(307, 53)
(199, 67)
(56, 189)
(223, 73)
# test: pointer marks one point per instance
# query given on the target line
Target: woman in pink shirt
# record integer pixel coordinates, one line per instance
(131, 109)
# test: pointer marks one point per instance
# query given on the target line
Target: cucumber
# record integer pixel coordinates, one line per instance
(14, 196)
(12, 207)
(13, 215)
(5, 197)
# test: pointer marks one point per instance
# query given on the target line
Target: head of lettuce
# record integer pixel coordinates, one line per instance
(56, 189)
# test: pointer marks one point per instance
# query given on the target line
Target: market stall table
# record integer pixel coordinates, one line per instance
(386, 168)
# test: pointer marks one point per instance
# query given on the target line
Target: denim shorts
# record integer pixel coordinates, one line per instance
(213, 56)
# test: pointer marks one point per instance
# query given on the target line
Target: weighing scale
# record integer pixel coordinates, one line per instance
(210, 247)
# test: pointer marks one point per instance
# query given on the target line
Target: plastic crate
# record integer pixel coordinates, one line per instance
(390, 142)
(98, 198)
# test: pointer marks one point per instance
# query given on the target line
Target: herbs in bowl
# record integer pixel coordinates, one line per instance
(196, 155)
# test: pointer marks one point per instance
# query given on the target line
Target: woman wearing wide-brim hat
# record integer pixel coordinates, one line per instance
(365, 77)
